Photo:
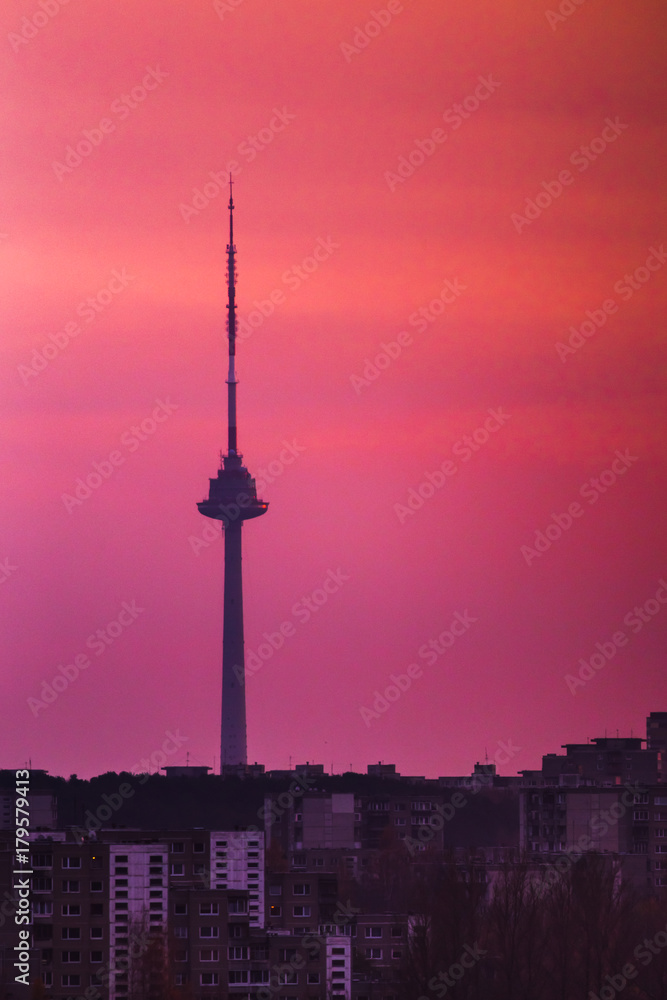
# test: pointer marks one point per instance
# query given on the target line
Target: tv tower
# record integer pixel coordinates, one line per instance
(232, 499)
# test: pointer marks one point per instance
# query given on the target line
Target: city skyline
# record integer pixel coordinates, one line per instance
(450, 292)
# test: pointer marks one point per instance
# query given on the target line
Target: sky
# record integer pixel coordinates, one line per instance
(451, 296)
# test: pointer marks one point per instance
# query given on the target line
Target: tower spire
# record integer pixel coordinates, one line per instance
(231, 330)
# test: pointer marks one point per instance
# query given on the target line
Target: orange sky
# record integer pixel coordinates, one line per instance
(319, 107)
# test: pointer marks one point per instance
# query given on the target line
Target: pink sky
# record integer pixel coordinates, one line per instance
(334, 122)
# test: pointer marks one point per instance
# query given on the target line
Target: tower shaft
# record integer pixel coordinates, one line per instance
(233, 740)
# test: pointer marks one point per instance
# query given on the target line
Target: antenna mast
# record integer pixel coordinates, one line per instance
(231, 330)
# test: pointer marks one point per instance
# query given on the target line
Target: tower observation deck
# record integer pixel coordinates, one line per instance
(232, 500)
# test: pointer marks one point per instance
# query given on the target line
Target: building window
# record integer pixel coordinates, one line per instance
(71, 933)
(241, 976)
(42, 884)
(97, 957)
(71, 885)
(313, 978)
(179, 979)
(121, 894)
(373, 932)
(96, 909)
(71, 862)
(71, 979)
(155, 894)
(178, 869)
(119, 882)
(42, 861)
(640, 814)
(236, 904)
(96, 932)
(301, 889)
(211, 979)
(289, 978)
(275, 890)
(180, 909)
(180, 955)
(198, 847)
(155, 859)
(71, 909)
(70, 956)
(42, 908)
(396, 953)
(96, 887)
(177, 847)
(397, 931)
(180, 932)
(209, 932)
(208, 909)
(209, 955)
(156, 906)
(275, 910)
(301, 911)
(121, 870)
